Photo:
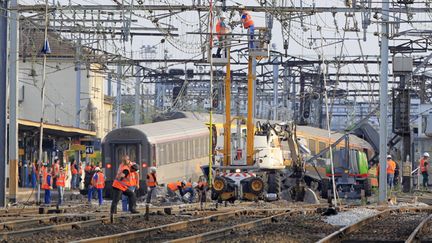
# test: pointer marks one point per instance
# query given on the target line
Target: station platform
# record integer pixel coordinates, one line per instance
(28, 195)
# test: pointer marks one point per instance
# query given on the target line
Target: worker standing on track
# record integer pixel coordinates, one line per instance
(47, 184)
(121, 186)
(74, 171)
(202, 189)
(221, 30)
(151, 183)
(391, 166)
(248, 23)
(98, 184)
(61, 183)
(173, 187)
(80, 172)
(56, 171)
(424, 163)
(134, 185)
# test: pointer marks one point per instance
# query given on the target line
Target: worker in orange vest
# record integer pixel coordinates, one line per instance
(391, 166)
(47, 184)
(134, 185)
(74, 171)
(202, 188)
(56, 171)
(221, 30)
(424, 162)
(248, 23)
(188, 187)
(98, 184)
(121, 185)
(61, 183)
(173, 187)
(151, 183)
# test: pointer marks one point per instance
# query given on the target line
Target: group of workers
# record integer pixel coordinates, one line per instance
(222, 29)
(391, 168)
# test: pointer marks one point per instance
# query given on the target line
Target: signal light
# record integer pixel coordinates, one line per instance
(108, 166)
(144, 165)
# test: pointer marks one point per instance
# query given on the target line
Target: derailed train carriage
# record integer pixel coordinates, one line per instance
(177, 147)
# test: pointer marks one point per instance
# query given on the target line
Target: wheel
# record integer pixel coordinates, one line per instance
(256, 185)
(220, 184)
(274, 183)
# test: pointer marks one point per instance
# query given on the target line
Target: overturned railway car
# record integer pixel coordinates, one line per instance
(177, 147)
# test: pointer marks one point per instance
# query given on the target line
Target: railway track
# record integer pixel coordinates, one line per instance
(203, 228)
(392, 225)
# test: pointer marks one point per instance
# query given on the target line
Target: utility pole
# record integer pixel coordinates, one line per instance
(383, 103)
(137, 96)
(119, 101)
(275, 88)
(3, 98)
(78, 84)
(13, 102)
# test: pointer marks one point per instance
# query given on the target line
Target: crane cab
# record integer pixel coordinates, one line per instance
(261, 43)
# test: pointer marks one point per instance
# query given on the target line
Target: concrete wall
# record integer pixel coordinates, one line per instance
(60, 107)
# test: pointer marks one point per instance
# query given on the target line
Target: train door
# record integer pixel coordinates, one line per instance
(125, 149)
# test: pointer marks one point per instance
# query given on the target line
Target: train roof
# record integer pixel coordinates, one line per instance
(159, 132)
(313, 131)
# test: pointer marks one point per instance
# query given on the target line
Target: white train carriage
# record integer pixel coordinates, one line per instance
(177, 148)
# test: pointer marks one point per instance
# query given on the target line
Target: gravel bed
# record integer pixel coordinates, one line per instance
(121, 225)
(395, 227)
(349, 217)
(296, 228)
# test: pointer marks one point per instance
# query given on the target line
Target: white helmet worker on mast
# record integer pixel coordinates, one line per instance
(221, 30)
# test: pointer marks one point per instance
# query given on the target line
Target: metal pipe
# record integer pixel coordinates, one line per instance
(3, 99)
(227, 131)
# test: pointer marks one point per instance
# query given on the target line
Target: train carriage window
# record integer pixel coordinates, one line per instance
(162, 154)
(176, 152)
(168, 153)
(197, 147)
(181, 150)
(188, 149)
(312, 146)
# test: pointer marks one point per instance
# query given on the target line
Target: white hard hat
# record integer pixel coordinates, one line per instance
(222, 16)
(153, 169)
(194, 184)
(426, 154)
(97, 169)
(184, 182)
(389, 156)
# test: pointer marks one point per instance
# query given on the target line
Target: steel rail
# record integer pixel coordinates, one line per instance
(226, 232)
(182, 225)
(414, 235)
(339, 234)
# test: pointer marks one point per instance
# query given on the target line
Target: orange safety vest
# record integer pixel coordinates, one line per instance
(202, 184)
(422, 165)
(173, 186)
(133, 178)
(188, 184)
(391, 166)
(247, 20)
(151, 179)
(87, 168)
(74, 170)
(122, 183)
(80, 169)
(56, 169)
(61, 179)
(99, 183)
(220, 29)
(45, 185)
